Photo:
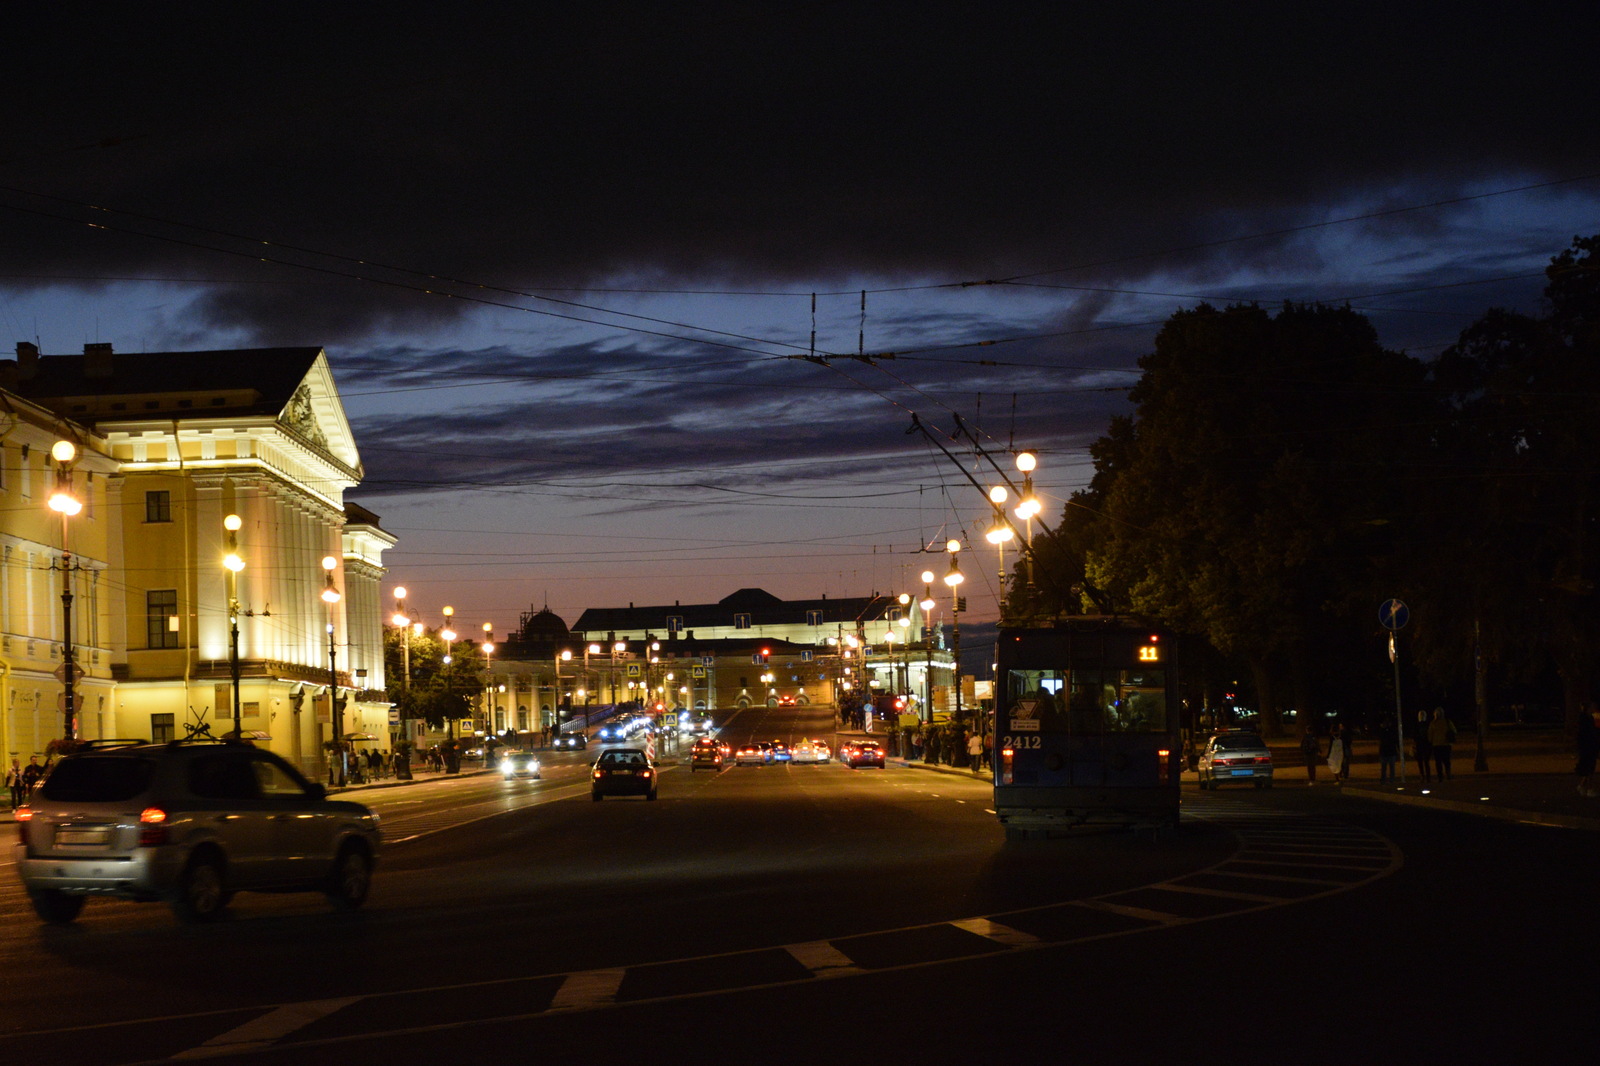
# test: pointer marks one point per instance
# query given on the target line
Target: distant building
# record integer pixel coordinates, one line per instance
(750, 648)
(176, 441)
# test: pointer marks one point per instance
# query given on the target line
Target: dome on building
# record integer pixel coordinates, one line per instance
(542, 625)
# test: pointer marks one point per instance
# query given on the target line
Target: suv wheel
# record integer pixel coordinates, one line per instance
(200, 896)
(351, 879)
(55, 906)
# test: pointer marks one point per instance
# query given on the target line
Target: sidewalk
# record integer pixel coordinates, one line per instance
(1529, 779)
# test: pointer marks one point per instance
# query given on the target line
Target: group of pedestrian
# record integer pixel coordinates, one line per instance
(1341, 750)
(21, 780)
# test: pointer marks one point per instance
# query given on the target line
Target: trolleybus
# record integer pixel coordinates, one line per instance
(1086, 726)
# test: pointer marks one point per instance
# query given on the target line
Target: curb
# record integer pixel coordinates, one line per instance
(1483, 810)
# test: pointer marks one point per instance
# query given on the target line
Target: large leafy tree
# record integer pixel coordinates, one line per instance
(1520, 483)
(1248, 498)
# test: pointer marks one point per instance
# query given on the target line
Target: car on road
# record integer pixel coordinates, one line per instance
(574, 741)
(623, 772)
(705, 753)
(515, 764)
(864, 753)
(1235, 757)
(846, 750)
(811, 751)
(191, 823)
(750, 755)
(780, 752)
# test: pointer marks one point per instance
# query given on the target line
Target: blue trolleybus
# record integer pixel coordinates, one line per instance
(1086, 726)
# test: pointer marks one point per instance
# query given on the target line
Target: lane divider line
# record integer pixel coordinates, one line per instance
(823, 959)
(269, 1028)
(588, 989)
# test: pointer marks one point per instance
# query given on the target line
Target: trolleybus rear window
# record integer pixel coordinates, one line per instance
(1090, 702)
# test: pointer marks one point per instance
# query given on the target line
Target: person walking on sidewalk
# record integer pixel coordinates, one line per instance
(975, 752)
(1422, 748)
(1588, 749)
(1311, 748)
(1441, 736)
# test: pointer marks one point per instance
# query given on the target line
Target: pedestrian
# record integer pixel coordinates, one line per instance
(1347, 744)
(916, 744)
(30, 776)
(14, 783)
(1311, 748)
(988, 752)
(1441, 736)
(1588, 748)
(975, 752)
(1388, 749)
(1337, 754)
(1421, 747)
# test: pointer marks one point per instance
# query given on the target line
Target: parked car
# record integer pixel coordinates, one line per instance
(1235, 756)
(191, 823)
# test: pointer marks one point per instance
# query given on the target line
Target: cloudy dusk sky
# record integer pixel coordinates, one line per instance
(592, 283)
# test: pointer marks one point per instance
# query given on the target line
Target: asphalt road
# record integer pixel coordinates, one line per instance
(816, 913)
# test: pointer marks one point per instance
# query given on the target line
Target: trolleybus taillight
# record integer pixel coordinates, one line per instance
(1165, 756)
(1005, 765)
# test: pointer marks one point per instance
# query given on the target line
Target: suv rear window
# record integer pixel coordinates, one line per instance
(98, 779)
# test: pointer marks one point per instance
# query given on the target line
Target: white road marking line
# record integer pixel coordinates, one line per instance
(1248, 897)
(822, 958)
(270, 1027)
(591, 988)
(1131, 912)
(1001, 934)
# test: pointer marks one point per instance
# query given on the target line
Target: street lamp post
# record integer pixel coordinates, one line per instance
(927, 641)
(1028, 507)
(954, 579)
(616, 649)
(592, 649)
(999, 534)
(448, 635)
(330, 596)
(488, 679)
(65, 503)
(564, 657)
(234, 565)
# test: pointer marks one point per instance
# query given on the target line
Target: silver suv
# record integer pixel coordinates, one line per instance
(190, 823)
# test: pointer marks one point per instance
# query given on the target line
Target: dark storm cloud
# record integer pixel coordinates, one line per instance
(752, 145)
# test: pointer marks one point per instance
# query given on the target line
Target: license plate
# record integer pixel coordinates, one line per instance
(623, 773)
(1243, 773)
(81, 836)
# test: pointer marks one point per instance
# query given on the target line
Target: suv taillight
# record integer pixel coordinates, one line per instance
(23, 815)
(152, 827)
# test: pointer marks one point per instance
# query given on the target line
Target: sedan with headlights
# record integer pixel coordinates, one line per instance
(515, 764)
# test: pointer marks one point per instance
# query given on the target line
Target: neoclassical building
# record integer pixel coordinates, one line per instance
(172, 444)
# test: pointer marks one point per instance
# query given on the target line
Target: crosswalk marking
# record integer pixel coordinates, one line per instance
(1126, 911)
(1002, 934)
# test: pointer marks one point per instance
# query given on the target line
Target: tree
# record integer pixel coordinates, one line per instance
(438, 691)
(1244, 501)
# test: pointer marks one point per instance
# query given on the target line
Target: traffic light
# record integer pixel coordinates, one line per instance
(961, 603)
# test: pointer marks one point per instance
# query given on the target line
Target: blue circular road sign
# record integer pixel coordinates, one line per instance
(1393, 614)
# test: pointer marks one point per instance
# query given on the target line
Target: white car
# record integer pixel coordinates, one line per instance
(813, 751)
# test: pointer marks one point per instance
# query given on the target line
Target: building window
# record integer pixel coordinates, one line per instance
(813, 618)
(674, 623)
(894, 614)
(158, 506)
(741, 621)
(161, 618)
(161, 728)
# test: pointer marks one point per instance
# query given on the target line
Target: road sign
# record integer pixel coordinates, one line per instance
(77, 673)
(1393, 614)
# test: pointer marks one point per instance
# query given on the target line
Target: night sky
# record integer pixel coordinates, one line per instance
(563, 263)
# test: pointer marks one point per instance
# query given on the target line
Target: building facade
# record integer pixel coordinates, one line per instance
(187, 439)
